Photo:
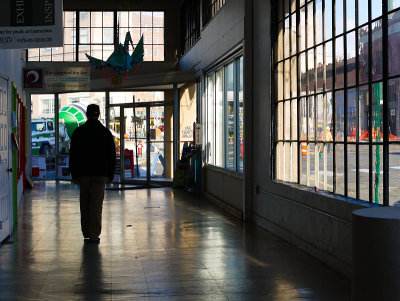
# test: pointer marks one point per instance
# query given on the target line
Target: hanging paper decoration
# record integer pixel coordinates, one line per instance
(120, 60)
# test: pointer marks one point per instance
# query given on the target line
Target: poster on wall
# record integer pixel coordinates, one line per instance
(31, 24)
(58, 79)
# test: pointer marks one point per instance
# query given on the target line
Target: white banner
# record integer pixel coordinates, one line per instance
(31, 24)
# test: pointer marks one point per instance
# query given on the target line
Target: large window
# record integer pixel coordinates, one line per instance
(224, 116)
(336, 96)
(95, 32)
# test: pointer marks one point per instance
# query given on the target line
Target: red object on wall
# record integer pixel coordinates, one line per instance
(129, 163)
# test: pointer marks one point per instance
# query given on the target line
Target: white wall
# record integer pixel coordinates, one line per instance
(11, 64)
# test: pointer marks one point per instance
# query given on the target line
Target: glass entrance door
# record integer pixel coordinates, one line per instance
(144, 145)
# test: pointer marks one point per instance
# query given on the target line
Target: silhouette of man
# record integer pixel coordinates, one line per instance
(92, 165)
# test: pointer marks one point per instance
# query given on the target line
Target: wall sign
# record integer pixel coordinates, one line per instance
(31, 24)
(57, 79)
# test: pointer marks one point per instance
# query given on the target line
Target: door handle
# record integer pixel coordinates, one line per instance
(9, 170)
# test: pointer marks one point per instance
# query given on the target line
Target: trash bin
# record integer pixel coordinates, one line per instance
(376, 254)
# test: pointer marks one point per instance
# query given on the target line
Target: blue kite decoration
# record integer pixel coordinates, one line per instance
(120, 60)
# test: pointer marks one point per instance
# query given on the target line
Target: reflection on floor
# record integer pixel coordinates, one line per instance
(157, 244)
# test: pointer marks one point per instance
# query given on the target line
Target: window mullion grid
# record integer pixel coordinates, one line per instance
(316, 150)
(298, 78)
(334, 93)
(370, 154)
(290, 94)
(357, 106)
(214, 111)
(235, 114)
(385, 105)
(325, 142)
(283, 176)
(307, 96)
(345, 101)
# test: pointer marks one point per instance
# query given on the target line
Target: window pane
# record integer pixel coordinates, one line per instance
(329, 117)
(339, 17)
(210, 120)
(278, 52)
(303, 74)
(339, 117)
(318, 22)
(320, 117)
(279, 118)
(351, 115)
(311, 71)
(303, 119)
(339, 169)
(219, 118)
(279, 161)
(311, 118)
(310, 25)
(108, 19)
(294, 160)
(328, 19)
(339, 63)
(286, 118)
(108, 35)
(376, 8)
(287, 79)
(311, 165)
(394, 107)
(350, 14)
(377, 166)
(351, 171)
(351, 59)
(279, 83)
(363, 113)
(229, 117)
(97, 35)
(240, 119)
(394, 175)
(158, 19)
(320, 68)
(363, 54)
(287, 164)
(392, 4)
(377, 67)
(96, 19)
(294, 120)
(377, 112)
(329, 65)
(303, 163)
(363, 157)
(286, 39)
(293, 35)
(393, 43)
(302, 30)
(362, 12)
(84, 19)
(329, 167)
(294, 77)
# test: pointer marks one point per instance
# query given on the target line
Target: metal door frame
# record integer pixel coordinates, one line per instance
(148, 182)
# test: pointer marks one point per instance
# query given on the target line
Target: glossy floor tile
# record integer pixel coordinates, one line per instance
(157, 244)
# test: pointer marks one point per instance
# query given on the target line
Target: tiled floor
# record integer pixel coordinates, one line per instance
(157, 244)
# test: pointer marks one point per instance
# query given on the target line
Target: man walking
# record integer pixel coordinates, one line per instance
(92, 165)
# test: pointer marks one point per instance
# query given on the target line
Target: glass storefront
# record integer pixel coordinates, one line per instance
(336, 85)
(224, 116)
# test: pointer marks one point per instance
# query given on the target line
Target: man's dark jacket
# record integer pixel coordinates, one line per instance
(92, 151)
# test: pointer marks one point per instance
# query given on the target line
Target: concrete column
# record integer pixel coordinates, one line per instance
(376, 254)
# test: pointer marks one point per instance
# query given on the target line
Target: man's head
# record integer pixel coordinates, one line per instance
(93, 111)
